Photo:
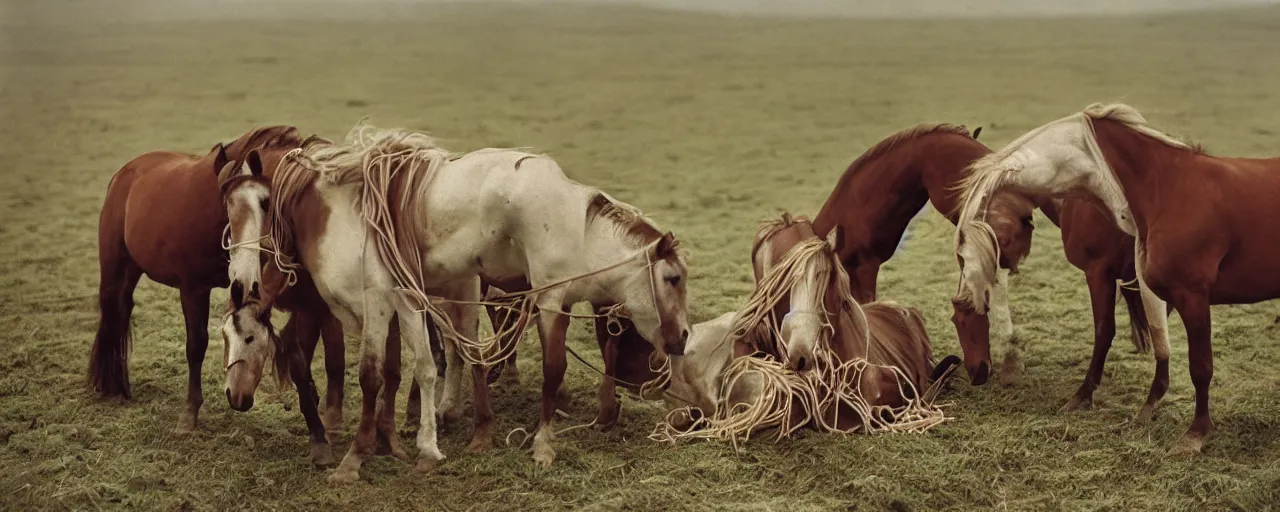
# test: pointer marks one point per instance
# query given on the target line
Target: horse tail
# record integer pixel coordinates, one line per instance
(1138, 321)
(108, 373)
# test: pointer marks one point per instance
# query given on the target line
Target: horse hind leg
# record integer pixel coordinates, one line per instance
(108, 373)
(195, 310)
(1157, 317)
(388, 440)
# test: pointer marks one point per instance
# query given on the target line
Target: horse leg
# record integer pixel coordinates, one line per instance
(1002, 329)
(1157, 315)
(1193, 307)
(413, 410)
(302, 333)
(451, 403)
(109, 359)
(862, 281)
(388, 440)
(335, 363)
(609, 408)
(373, 344)
(482, 430)
(195, 310)
(414, 331)
(1102, 295)
(551, 329)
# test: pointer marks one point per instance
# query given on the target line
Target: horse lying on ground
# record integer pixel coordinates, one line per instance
(804, 341)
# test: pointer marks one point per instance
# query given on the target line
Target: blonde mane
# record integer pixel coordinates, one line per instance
(788, 400)
(628, 219)
(975, 240)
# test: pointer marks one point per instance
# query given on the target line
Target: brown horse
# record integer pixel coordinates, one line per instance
(163, 218)
(884, 188)
(1201, 238)
(1095, 245)
(802, 307)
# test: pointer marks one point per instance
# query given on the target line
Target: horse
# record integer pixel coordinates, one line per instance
(492, 211)
(802, 314)
(1198, 241)
(162, 217)
(246, 193)
(882, 190)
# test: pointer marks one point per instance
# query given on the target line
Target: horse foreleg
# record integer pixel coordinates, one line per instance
(373, 345)
(195, 310)
(466, 323)
(1002, 329)
(1102, 296)
(335, 367)
(552, 326)
(609, 408)
(1157, 314)
(414, 331)
(303, 333)
(1193, 307)
(862, 281)
(388, 440)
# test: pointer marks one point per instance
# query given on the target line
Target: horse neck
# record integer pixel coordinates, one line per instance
(944, 162)
(886, 188)
(1141, 165)
(605, 244)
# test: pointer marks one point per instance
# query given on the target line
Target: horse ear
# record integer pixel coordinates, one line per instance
(976, 131)
(219, 158)
(836, 238)
(254, 161)
(228, 170)
(666, 246)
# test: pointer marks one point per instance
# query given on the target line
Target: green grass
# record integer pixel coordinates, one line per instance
(709, 124)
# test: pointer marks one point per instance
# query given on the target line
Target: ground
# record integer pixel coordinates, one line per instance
(708, 123)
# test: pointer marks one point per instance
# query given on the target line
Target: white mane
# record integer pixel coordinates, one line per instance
(989, 173)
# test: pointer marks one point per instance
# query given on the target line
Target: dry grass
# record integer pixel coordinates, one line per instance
(707, 123)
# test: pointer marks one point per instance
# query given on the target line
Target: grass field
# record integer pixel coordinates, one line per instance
(709, 124)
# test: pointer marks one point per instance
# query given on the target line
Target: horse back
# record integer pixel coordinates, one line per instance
(899, 338)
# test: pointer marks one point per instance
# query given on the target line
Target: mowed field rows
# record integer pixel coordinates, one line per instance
(709, 124)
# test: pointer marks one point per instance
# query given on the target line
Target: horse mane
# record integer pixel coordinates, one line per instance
(264, 136)
(811, 257)
(628, 219)
(893, 141)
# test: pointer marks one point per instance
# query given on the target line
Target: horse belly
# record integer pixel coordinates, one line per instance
(1248, 275)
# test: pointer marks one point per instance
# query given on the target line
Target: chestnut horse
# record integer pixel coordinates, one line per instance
(884, 188)
(163, 218)
(797, 323)
(1197, 219)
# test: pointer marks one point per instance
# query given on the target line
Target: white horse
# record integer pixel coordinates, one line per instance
(433, 222)
(1057, 159)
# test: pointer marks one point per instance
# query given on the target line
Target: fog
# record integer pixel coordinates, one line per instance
(88, 11)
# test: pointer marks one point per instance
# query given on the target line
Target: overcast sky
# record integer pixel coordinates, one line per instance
(22, 11)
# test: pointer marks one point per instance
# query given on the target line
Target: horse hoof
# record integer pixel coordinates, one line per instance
(1145, 415)
(426, 465)
(321, 455)
(479, 445)
(343, 476)
(1189, 444)
(544, 456)
(185, 426)
(1076, 404)
(453, 414)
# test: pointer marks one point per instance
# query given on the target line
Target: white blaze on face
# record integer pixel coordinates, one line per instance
(247, 345)
(696, 375)
(247, 214)
(803, 325)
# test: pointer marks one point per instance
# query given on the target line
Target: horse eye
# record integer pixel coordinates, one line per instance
(674, 280)
(1026, 221)
(266, 203)
(248, 340)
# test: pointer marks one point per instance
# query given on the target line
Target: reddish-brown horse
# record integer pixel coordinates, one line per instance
(163, 218)
(1199, 221)
(1095, 245)
(884, 188)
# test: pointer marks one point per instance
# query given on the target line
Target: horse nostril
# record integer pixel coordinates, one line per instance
(237, 294)
(253, 290)
(684, 335)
